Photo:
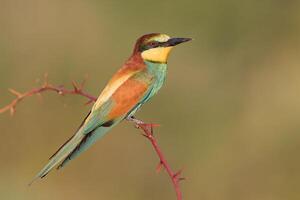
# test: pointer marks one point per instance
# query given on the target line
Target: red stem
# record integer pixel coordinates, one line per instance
(174, 176)
(46, 87)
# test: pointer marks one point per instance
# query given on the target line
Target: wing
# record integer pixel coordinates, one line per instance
(121, 87)
(98, 116)
(126, 98)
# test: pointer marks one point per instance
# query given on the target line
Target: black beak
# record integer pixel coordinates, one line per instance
(175, 41)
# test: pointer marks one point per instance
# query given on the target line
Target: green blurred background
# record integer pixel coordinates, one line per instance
(229, 111)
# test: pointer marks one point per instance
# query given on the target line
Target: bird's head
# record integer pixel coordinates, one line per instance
(155, 47)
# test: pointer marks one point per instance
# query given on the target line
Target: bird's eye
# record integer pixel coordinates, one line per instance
(153, 44)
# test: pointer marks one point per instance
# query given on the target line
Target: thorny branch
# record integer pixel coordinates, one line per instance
(78, 89)
(174, 176)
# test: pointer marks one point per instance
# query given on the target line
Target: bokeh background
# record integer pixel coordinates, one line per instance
(230, 109)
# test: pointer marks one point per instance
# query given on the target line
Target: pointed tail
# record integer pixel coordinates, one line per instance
(71, 149)
(59, 156)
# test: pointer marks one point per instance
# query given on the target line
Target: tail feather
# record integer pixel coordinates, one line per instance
(59, 156)
(86, 142)
(72, 148)
(61, 147)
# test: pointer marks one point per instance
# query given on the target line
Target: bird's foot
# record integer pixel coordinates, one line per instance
(135, 120)
(139, 123)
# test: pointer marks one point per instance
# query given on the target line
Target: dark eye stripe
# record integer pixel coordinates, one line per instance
(150, 45)
(153, 44)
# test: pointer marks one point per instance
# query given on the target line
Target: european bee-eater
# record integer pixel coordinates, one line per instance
(134, 84)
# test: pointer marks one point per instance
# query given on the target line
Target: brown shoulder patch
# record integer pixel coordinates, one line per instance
(126, 97)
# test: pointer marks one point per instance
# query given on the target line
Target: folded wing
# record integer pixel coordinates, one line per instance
(119, 98)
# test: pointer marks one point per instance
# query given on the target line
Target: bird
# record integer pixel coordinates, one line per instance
(135, 83)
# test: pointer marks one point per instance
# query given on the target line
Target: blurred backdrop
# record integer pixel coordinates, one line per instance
(229, 111)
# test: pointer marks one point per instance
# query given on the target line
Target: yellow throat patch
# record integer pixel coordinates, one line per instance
(159, 54)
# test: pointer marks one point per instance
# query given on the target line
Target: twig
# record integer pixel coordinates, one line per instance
(78, 90)
(174, 176)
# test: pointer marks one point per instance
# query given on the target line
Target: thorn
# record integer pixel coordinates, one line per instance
(177, 173)
(151, 130)
(46, 81)
(89, 102)
(75, 86)
(83, 82)
(159, 167)
(12, 111)
(182, 179)
(14, 92)
(145, 135)
(150, 127)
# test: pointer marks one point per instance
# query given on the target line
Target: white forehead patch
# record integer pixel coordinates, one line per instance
(161, 38)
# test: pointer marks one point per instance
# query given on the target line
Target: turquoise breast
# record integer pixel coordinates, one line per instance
(159, 72)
